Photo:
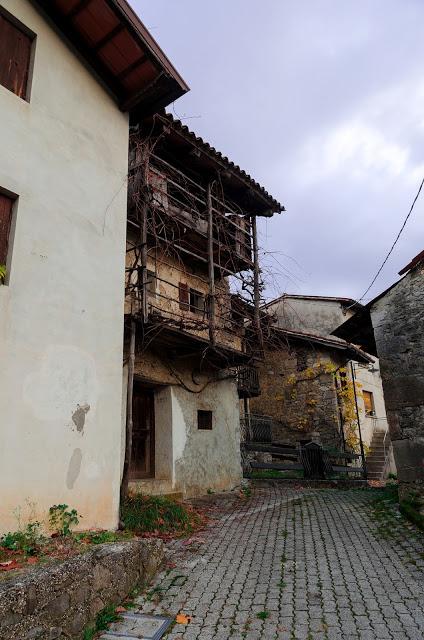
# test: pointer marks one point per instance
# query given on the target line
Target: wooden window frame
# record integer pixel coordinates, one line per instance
(204, 420)
(5, 255)
(20, 26)
(370, 412)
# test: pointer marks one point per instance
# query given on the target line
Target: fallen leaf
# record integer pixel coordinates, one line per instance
(32, 560)
(182, 619)
(120, 610)
(9, 565)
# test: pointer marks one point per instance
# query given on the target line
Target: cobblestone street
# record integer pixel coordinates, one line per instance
(296, 564)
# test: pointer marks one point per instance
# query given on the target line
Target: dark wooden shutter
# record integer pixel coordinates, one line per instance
(184, 295)
(15, 52)
(6, 205)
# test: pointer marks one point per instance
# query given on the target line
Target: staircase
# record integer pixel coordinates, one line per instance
(376, 459)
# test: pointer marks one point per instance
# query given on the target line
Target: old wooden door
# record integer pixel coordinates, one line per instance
(143, 441)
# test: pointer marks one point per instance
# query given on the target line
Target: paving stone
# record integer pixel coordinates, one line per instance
(339, 578)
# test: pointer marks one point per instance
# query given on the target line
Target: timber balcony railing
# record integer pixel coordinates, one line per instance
(248, 382)
(177, 216)
(255, 428)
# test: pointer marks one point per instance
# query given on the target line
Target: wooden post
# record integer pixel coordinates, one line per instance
(143, 239)
(211, 271)
(256, 284)
(129, 421)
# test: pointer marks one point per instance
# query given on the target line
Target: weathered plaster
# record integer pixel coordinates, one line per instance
(65, 155)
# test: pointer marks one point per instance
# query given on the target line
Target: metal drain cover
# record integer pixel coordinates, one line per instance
(137, 625)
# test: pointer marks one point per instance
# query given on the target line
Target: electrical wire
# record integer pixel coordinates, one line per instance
(395, 242)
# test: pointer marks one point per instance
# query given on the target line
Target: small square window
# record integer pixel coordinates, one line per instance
(204, 420)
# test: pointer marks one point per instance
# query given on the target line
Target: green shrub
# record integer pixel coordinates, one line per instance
(61, 519)
(26, 540)
(157, 514)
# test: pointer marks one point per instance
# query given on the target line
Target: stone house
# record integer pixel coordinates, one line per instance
(301, 379)
(191, 230)
(321, 315)
(71, 73)
(392, 327)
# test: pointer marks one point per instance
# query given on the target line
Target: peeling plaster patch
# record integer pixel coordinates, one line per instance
(78, 417)
(74, 468)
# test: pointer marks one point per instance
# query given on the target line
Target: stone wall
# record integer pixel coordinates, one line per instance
(306, 410)
(60, 600)
(398, 322)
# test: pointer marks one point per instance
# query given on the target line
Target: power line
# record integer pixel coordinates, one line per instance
(395, 242)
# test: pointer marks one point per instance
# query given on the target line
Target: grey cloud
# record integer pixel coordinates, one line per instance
(273, 79)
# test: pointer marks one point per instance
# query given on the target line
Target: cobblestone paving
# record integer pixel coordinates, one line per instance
(315, 565)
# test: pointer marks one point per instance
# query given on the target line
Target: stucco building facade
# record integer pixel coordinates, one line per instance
(63, 188)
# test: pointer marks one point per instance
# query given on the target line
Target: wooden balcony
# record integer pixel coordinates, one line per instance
(248, 382)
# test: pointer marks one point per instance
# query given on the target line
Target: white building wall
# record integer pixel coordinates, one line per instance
(64, 154)
(206, 459)
(370, 380)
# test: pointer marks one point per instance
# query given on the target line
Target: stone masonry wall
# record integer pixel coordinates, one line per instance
(302, 411)
(60, 600)
(398, 322)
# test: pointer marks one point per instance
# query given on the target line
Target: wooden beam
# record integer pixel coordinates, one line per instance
(108, 37)
(77, 9)
(211, 269)
(256, 285)
(138, 63)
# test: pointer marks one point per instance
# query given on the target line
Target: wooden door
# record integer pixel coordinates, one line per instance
(143, 440)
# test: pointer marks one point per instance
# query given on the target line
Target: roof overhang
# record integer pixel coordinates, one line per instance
(359, 329)
(352, 351)
(206, 160)
(116, 46)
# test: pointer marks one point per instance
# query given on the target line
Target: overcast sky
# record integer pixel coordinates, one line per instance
(322, 102)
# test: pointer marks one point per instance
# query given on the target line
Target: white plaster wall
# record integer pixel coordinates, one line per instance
(320, 317)
(371, 381)
(203, 459)
(61, 315)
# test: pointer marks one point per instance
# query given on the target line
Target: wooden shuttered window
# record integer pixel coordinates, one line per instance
(6, 205)
(368, 402)
(184, 295)
(15, 54)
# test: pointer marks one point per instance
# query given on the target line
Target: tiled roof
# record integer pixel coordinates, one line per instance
(275, 206)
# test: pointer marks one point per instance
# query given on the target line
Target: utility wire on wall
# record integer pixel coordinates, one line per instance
(395, 242)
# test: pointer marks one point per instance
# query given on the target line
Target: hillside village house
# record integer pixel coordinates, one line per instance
(300, 392)
(70, 74)
(392, 327)
(191, 233)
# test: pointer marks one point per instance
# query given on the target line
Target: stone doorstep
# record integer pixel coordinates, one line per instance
(137, 626)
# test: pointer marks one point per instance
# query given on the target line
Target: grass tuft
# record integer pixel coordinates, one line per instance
(158, 515)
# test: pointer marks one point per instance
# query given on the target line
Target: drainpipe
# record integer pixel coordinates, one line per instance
(361, 444)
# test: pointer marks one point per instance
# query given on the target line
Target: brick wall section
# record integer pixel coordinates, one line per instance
(289, 409)
(398, 321)
(59, 601)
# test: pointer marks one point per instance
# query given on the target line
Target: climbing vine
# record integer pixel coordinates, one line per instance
(345, 389)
